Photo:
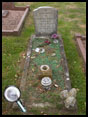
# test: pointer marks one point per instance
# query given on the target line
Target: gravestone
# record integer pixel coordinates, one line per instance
(46, 20)
(8, 5)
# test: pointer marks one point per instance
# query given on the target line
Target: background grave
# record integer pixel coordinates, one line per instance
(13, 22)
(81, 45)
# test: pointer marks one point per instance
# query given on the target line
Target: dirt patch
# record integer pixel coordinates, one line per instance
(82, 26)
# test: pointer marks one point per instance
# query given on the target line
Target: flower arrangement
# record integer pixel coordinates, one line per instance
(54, 36)
(47, 42)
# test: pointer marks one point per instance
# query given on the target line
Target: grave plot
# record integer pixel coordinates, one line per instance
(34, 95)
(13, 18)
(45, 58)
(81, 45)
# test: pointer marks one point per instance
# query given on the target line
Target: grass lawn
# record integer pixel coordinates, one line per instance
(71, 20)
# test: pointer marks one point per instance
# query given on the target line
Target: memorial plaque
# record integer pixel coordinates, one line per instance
(45, 19)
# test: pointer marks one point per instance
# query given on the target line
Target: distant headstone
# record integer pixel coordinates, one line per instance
(8, 5)
(46, 21)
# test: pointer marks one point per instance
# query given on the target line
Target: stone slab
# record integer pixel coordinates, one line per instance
(18, 27)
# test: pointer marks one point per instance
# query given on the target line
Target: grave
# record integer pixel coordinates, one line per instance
(52, 57)
(81, 46)
(13, 18)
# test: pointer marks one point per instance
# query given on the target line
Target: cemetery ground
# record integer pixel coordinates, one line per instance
(71, 20)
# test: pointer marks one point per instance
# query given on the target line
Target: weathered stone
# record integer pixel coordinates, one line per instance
(64, 94)
(73, 92)
(70, 102)
(42, 105)
(45, 19)
(53, 54)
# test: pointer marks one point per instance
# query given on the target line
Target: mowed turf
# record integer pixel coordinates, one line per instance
(71, 20)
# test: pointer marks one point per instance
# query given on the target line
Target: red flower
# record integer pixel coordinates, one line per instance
(48, 42)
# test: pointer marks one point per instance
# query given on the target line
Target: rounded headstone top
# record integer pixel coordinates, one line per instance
(45, 20)
(43, 8)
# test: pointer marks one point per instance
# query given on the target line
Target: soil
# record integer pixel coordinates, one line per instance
(12, 20)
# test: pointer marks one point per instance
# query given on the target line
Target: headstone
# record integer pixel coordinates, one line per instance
(8, 5)
(46, 20)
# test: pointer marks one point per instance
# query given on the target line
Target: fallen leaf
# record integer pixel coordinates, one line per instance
(58, 66)
(85, 104)
(33, 69)
(9, 54)
(42, 112)
(24, 56)
(77, 89)
(74, 61)
(16, 75)
(18, 61)
(56, 85)
(32, 57)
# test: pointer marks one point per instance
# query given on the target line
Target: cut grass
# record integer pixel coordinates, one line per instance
(13, 46)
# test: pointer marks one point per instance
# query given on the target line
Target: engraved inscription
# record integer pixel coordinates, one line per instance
(45, 20)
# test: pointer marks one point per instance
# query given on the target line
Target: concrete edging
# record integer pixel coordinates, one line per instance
(67, 77)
